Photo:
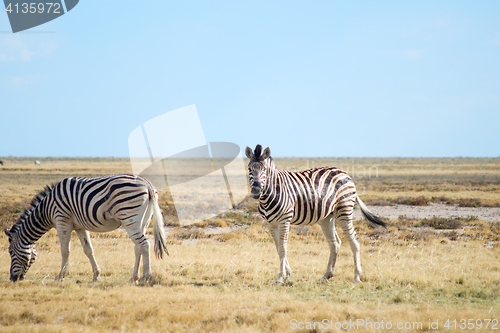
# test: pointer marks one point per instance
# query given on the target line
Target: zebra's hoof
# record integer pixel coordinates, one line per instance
(146, 280)
(279, 282)
(283, 282)
(96, 279)
(357, 280)
(324, 279)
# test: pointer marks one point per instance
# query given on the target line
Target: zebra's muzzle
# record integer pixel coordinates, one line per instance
(255, 193)
(17, 277)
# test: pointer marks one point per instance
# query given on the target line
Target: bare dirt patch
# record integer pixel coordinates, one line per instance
(441, 210)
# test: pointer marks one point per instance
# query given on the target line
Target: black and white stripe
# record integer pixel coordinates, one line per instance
(97, 204)
(320, 195)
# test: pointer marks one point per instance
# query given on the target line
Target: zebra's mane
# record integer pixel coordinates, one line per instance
(271, 163)
(257, 152)
(34, 203)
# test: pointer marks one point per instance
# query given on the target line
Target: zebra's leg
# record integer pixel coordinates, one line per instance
(148, 213)
(141, 249)
(273, 229)
(345, 219)
(89, 251)
(64, 232)
(333, 239)
(138, 248)
(135, 273)
(283, 230)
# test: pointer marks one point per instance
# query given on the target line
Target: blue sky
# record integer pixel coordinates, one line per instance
(312, 79)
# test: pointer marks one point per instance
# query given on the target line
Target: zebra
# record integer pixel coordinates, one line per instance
(98, 204)
(1, 162)
(319, 195)
(37, 162)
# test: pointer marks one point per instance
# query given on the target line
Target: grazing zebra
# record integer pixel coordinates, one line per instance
(97, 204)
(320, 195)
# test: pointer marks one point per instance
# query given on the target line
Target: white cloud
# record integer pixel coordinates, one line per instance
(408, 53)
(17, 81)
(47, 48)
(14, 48)
(442, 22)
(414, 53)
(25, 48)
(26, 55)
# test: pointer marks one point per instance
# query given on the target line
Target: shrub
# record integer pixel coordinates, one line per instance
(441, 223)
(191, 234)
(380, 202)
(469, 202)
(414, 201)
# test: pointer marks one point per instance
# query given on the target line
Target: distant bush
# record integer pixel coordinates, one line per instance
(191, 234)
(417, 234)
(469, 202)
(380, 202)
(405, 221)
(443, 199)
(414, 201)
(441, 223)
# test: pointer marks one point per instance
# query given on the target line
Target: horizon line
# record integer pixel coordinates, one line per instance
(311, 157)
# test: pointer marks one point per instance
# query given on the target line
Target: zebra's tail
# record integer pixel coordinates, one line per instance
(372, 218)
(158, 226)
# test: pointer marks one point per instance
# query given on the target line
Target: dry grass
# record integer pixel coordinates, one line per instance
(227, 286)
(415, 271)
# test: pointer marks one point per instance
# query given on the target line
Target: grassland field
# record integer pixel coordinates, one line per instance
(219, 276)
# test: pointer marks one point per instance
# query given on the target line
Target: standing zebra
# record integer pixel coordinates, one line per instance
(97, 204)
(319, 195)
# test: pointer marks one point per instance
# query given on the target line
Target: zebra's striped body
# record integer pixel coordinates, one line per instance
(97, 204)
(320, 195)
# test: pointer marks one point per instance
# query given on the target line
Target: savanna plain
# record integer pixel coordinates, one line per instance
(419, 274)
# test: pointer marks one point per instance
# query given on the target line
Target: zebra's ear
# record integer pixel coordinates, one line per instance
(7, 232)
(249, 152)
(265, 154)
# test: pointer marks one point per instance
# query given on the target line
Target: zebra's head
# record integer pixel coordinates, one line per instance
(22, 256)
(257, 169)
